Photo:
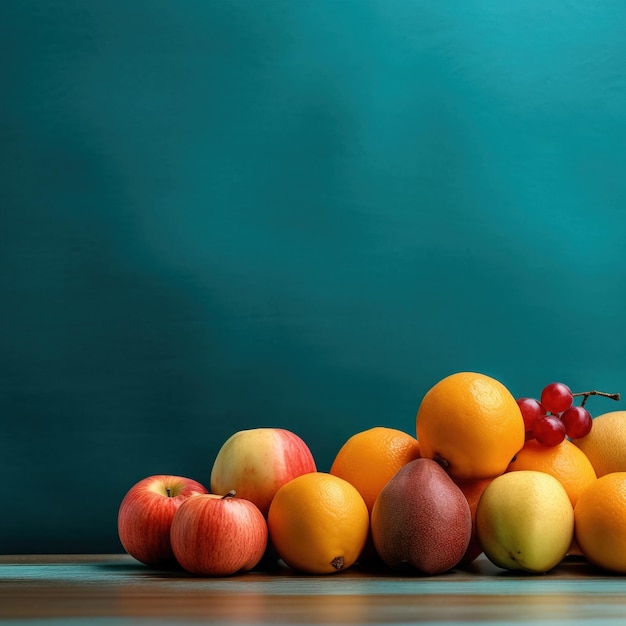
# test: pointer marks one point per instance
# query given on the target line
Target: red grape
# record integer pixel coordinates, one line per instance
(549, 430)
(531, 409)
(577, 421)
(556, 397)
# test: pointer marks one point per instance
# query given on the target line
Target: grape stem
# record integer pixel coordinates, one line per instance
(586, 394)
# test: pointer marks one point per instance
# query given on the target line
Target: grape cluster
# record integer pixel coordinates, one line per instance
(553, 417)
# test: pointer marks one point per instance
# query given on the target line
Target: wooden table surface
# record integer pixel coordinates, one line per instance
(117, 590)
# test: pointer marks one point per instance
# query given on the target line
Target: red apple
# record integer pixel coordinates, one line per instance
(145, 516)
(257, 462)
(216, 535)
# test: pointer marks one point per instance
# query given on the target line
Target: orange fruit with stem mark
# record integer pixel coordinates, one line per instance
(600, 522)
(370, 458)
(565, 462)
(471, 424)
(318, 523)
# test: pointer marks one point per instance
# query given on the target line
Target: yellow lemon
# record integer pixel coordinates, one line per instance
(525, 521)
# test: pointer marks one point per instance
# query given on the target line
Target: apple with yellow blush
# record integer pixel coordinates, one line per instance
(257, 462)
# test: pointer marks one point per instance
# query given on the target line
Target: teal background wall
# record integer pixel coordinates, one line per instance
(221, 215)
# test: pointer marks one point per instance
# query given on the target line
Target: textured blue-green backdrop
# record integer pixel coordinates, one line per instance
(219, 215)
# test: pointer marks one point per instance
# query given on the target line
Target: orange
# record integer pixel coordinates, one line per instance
(600, 522)
(318, 523)
(471, 424)
(565, 462)
(370, 458)
(605, 445)
(472, 490)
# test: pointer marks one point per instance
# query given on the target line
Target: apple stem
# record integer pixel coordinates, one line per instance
(586, 394)
(230, 494)
(168, 492)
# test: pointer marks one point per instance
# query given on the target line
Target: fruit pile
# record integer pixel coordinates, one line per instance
(525, 481)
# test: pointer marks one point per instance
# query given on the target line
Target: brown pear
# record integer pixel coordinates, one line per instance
(421, 518)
